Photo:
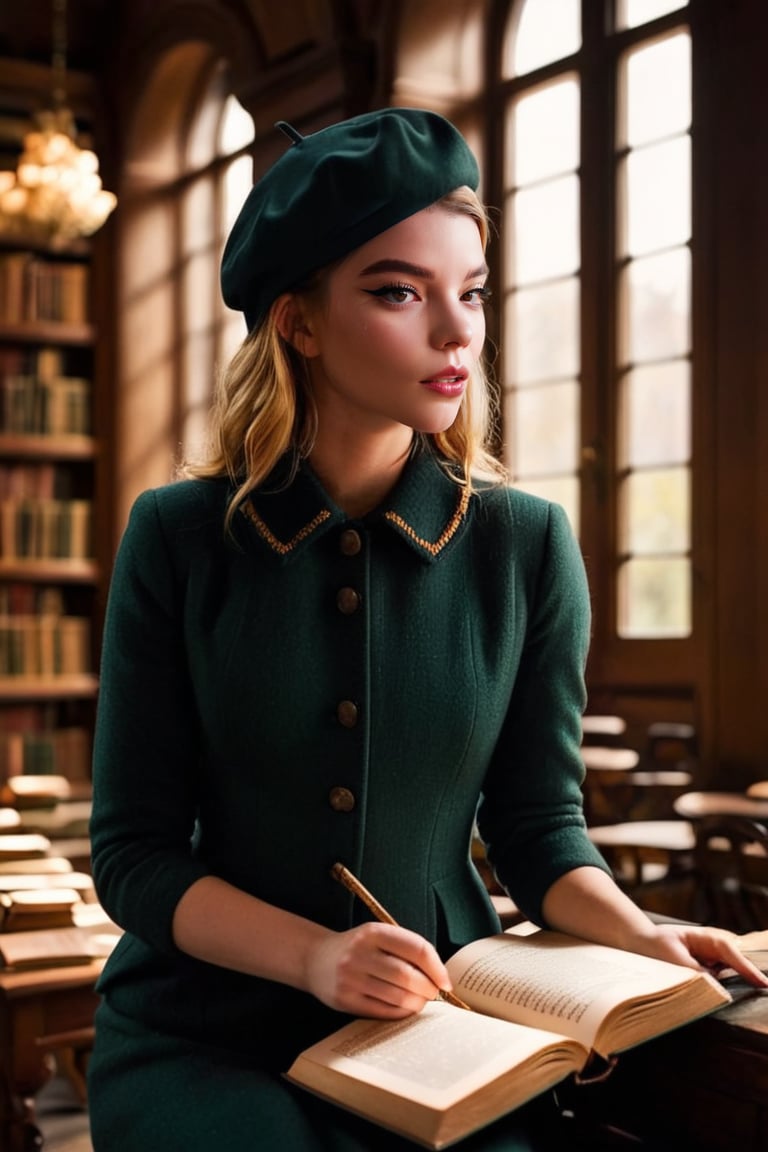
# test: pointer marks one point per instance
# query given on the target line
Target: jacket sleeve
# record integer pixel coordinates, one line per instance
(144, 761)
(531, 812)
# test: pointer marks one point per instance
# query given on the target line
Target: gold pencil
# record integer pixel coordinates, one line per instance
(352, 884)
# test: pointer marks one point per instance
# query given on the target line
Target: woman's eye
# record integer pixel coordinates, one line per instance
(479, 295)
(394, 293)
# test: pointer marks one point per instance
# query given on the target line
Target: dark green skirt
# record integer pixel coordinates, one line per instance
(150, 1092)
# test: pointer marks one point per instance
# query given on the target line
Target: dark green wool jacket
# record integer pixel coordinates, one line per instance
(323, 690)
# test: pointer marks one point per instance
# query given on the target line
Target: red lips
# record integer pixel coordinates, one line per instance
(448, 376)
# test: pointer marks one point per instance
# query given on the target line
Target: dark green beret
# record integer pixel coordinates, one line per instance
(334, 190)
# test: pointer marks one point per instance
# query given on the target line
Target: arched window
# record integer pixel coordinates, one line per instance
(219, 176)
(653, 337)
(597, 335)
(188, 170)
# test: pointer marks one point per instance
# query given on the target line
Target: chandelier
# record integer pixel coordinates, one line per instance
(55, 194)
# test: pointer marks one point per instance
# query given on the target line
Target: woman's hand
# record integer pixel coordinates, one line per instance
(587, 902)
(701, 947)
(376, 970)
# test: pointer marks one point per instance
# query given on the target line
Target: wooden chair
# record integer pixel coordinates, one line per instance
(652, 860)
(731, 860)
(671, 742)
(655, 790)
(668, 767)
(606, 771)
(620, 785)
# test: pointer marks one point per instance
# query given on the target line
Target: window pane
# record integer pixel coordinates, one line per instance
(201, 142)
(542, 425)
(236, 127)
(543, 242)
(658, 188)
(634, 12)
(542, 326)
(655, 512)
(655, 598)
(238, 181)
(545, 133)
(233, 332)
(199, 272)
(655, 308)
(197, 208)
(547, 30)
(658, 90)
(656, 416)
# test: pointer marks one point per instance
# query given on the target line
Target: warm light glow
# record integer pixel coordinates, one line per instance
(56, 192)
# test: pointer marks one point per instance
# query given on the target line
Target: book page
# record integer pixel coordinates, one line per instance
(436, 1058)
(553, 981)
(435, 1076)
(437, 1052)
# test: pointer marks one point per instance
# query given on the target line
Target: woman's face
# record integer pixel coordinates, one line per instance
(400, 324)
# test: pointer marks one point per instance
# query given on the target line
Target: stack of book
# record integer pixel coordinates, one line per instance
(49, 913)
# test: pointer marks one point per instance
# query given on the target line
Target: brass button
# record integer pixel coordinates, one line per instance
(347, 601)
(346, 713)
(350, 542)
(341, 799)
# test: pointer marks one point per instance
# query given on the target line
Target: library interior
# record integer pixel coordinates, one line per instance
(623, 153)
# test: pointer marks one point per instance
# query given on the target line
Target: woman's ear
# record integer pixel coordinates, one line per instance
(294, 326)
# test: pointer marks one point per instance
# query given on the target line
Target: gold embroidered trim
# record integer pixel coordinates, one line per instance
(439, 544)
(278, 545)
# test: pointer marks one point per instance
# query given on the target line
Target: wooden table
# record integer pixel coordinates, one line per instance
(600, 759)
(632, 845)
(41, 1011)
(702, 1087)
(696, 805)
(602, 727)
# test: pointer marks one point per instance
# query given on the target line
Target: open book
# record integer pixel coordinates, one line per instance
(545, 1006)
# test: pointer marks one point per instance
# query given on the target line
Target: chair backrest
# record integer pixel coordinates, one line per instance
(731, 857)
(670, 742)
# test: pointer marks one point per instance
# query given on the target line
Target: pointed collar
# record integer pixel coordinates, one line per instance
(426, 509)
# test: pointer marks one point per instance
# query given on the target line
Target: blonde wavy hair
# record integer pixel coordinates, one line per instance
(263, 406)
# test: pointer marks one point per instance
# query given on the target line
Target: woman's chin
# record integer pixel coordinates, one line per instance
(439, 420)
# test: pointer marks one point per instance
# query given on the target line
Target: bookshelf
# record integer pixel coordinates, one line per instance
(49, 575)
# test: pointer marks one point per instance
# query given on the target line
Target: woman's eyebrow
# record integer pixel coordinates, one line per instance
(409, 269)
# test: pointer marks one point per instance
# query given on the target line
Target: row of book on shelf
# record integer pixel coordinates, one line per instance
(43, 646)
(34, 289)
(48, 911)
(30, 406)
(45, 754)
(45, 528)
(39, 396)
(38, 479)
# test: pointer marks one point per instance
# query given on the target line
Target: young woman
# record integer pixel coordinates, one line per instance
(341, 638)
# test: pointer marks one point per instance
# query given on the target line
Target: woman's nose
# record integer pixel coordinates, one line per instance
(453, 327)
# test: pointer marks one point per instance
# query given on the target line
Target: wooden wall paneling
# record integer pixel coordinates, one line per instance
(737, 659)
(760, 155)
